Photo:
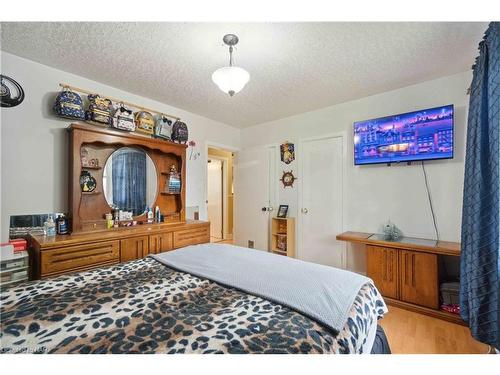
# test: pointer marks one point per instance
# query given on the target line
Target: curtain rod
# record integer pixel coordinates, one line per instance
(64, 85)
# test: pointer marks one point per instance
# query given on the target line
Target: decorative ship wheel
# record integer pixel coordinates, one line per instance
(288, 179)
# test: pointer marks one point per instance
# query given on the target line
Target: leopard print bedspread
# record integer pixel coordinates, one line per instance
(145, 307)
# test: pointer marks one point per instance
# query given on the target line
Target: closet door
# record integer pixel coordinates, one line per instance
(320, 201)
(254, 195)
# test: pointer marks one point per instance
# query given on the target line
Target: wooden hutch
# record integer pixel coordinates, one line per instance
(407, 271)
(91, 244)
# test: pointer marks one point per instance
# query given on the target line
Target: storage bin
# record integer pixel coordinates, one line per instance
(450, 293)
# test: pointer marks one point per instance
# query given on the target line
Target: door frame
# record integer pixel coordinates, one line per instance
(224, 147)
(343, 136)
(273, 187)
(225, 195)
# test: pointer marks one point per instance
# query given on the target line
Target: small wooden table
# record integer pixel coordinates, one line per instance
(406, 271)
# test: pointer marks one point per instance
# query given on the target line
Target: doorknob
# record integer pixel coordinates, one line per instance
(304, 210)
(267, 209)
(270, 208)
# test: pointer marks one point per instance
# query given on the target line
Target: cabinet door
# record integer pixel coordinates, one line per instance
(154, 244)
(382, 268)
(158, 243)
(134, 248)
(165, 242)
(419, 278)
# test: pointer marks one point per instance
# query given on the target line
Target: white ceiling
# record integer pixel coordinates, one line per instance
(294, 67)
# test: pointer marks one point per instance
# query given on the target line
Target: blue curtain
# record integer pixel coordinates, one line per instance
(129, 181)
(479, 263)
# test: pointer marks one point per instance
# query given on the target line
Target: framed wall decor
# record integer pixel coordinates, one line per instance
(282, 211)
(11, 92)
(287, 151)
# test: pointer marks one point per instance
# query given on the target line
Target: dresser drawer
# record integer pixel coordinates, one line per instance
(79, 257)
(191, 236)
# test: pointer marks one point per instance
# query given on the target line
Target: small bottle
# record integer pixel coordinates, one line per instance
(109, 221)
(62, 224)
(157, 214)
(150, 215)
(50, 227)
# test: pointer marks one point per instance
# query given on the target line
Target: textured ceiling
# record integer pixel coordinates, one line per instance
(294, 67)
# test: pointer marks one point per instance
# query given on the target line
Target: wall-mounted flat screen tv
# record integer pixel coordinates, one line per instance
(418, 135)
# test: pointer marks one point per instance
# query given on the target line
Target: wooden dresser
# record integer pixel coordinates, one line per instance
(53, 256)
(130, 185)
(406, 271)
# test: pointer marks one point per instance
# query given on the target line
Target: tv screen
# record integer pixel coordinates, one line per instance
(419, 135)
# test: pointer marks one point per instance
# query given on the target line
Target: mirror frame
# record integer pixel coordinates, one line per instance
(157, 177)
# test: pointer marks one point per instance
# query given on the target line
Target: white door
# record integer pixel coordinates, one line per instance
(214, 182)
(254, 196)
(320, 201)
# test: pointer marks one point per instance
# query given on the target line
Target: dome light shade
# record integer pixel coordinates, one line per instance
(231, 79)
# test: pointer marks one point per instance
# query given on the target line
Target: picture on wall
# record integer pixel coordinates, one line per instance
(287, 151)
(11, 92)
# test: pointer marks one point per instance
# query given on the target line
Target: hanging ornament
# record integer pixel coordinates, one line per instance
(288, 179)
(287, 151)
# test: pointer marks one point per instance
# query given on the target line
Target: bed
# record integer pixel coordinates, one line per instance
(190, 301)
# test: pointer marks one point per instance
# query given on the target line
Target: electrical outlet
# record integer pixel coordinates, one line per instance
(250, 244)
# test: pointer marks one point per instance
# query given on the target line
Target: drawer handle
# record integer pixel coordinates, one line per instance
(385, 266)
(413, 270)
(390, 266)
(406, 269)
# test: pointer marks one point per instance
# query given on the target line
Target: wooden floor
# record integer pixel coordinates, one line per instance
(413, 333)
(218, 240)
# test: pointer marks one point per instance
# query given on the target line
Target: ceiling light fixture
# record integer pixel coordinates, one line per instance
(231, 79)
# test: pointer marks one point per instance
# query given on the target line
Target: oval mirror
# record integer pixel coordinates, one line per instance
(130, 180)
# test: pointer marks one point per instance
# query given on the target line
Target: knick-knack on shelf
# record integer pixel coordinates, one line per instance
(87, 182)
(391, 232)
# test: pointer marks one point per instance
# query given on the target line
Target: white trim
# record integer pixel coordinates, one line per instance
(225, 195)
(205, 160)
(300, 142)
(272, 187)
(205, 155)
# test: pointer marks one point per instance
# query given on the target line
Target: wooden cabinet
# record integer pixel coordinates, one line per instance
(134, 248)
(419, 278)
(283, 236)
(159, 243)
(58, 255)
(406, 271)
(382, 268)
(402, 274)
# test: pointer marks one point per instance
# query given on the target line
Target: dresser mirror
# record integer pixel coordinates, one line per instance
(130, 181)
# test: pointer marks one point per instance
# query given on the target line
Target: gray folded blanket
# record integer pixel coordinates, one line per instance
(323, 293)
